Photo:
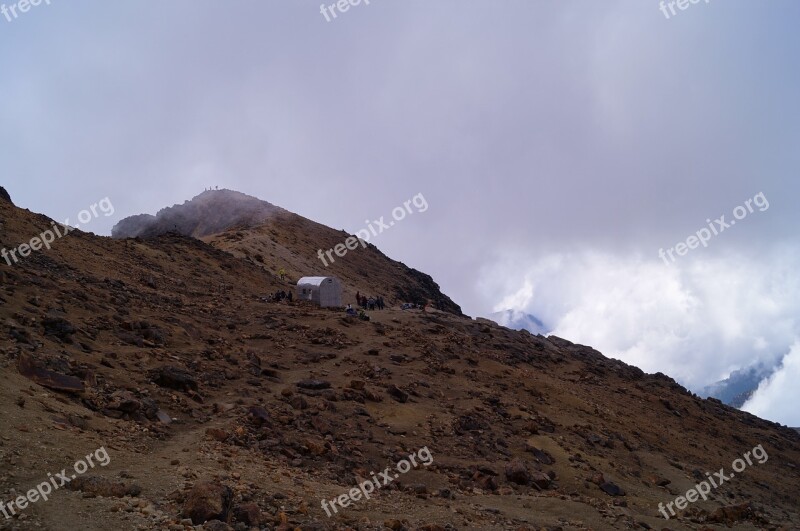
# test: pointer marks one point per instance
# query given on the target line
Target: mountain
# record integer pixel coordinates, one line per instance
(214, 405)
(212, 212)
(273, 238)
(737, 388)
(519, 320)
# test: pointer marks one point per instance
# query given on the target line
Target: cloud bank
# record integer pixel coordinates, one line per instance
(697, 321)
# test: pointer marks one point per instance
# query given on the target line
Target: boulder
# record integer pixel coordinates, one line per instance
(612, 489)
(517, 472)
(174, 378)
(206, 501)
(397, 393)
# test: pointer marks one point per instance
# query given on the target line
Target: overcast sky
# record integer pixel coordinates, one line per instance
(559, 146)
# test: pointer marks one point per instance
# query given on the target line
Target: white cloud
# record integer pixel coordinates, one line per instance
(697, 320)
(778, 396)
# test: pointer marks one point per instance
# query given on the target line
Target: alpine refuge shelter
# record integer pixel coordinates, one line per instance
(325, 291)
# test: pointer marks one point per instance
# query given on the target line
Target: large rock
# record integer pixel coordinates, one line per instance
(208, 501)
(732, 514)
(397, 393)
(4, 195)
(517, 472)
(258, 415)
(612, 489)
(32, 370)
(59, 327)
(314, 385)
(174, 378)
(250, 514)
(541, 480)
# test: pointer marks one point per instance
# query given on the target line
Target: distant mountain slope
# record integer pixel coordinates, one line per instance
(737, 388)
(274, 239)
(518, 320)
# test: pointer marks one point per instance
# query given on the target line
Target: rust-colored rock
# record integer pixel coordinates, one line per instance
(206, 501)
(46, 378)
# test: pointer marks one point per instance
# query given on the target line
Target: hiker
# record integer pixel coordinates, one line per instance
(282, 273)
(290, 297)
(358, 298)
(381, 306)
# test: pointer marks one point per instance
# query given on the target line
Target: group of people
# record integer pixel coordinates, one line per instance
(370, 303)
(278, 296)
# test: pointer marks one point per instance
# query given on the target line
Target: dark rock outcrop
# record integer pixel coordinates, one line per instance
(4, 195)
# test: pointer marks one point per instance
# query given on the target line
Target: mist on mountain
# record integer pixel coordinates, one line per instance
(211, 212)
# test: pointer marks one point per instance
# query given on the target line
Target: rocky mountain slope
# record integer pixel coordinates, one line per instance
(220, 410)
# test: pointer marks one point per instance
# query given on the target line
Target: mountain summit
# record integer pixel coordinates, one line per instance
(275, 239)
(212, 212)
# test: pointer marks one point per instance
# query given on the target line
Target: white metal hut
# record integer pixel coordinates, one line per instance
(325, 291)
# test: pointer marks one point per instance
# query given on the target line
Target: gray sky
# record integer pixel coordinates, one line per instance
(559, 146)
